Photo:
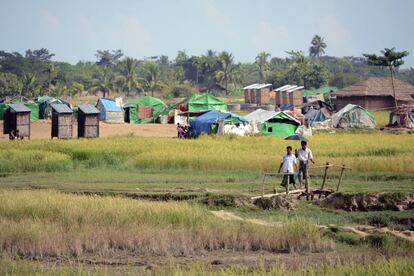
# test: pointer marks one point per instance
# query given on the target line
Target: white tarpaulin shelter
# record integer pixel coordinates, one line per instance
(353, 116)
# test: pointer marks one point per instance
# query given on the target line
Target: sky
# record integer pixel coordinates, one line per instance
(74, 29)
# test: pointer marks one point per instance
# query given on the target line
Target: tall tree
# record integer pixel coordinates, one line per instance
(107, 58)
(263, 65)
(103, 81)
(129, 68)
(10, 85)
(51, 75)
(228, 72)
(391, 59)
(152, 79)
(29, 84)
(318, 46)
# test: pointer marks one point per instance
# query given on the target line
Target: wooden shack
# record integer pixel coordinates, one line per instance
(295, 97)
(258, 93)
(88, 121)
(289, 95)
(263, 94)
(17, 118)
(62, 121)
(247, 96)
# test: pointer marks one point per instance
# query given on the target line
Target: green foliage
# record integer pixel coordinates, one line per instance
(179, 91)
(10, 85)
(112, 72)
(390, 58)
(318, 47)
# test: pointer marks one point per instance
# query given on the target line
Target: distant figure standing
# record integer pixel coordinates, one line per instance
(180, 131)
(304, 155)
(277, 109)
(289, 167)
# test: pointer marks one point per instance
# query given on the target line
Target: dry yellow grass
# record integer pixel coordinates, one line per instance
(373, 152)
(46, 223)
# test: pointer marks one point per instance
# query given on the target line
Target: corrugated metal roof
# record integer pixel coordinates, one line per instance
(88, 109)
(295, 89)
(258, 86)
(282, 87)
(19, 107)
(250, 86)
(289, 88)
(61, 108)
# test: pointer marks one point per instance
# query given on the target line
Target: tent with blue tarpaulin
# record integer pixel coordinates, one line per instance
(208, 122)
(110, 111)
(316, 116)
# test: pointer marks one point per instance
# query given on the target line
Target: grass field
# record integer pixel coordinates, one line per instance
(119, 205)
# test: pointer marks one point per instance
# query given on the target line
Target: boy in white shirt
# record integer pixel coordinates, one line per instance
(304, 155)
(289, 167)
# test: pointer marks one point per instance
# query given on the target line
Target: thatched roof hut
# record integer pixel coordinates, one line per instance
(375, 93)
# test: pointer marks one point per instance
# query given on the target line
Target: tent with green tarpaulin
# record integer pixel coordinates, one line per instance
(272, 123)
(325, 91)
(150, 108)
(201, 102)
(45, 108)
(3, 106)
(34, 108)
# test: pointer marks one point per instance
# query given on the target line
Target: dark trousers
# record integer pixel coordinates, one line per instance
(303, 174)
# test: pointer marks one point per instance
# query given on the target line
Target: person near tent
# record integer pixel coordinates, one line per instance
(277, 109)
(304, 154)
(289, 167)
(180, 132)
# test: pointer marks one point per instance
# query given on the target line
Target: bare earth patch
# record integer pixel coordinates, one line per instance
(42, 130)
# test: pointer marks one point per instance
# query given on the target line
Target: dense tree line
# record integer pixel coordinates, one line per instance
(35, 73)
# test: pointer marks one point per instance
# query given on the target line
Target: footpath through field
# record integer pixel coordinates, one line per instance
(359, 230)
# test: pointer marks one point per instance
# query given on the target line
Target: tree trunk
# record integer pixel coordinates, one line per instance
(393, 88)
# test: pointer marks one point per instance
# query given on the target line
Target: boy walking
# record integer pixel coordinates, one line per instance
(289, 167)
(304, 155)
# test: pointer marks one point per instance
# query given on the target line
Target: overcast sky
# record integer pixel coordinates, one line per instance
(75, 29)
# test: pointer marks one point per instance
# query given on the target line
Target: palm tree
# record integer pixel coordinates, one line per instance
(228, 72)
(317, 49)
(298, 67)
(129, 68)
(196, 62)
(390, 59)
(60, 89)
(263, 65)
(51, 75)
(152, 80)
(103, 82)
(29, 84)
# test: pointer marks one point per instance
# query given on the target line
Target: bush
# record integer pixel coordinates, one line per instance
(180, 90)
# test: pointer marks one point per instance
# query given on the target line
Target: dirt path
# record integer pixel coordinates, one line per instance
(42, 130)
(359, 230)
(232, 216)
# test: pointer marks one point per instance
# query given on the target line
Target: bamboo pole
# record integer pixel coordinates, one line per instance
(324, 176)
(340, 177)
